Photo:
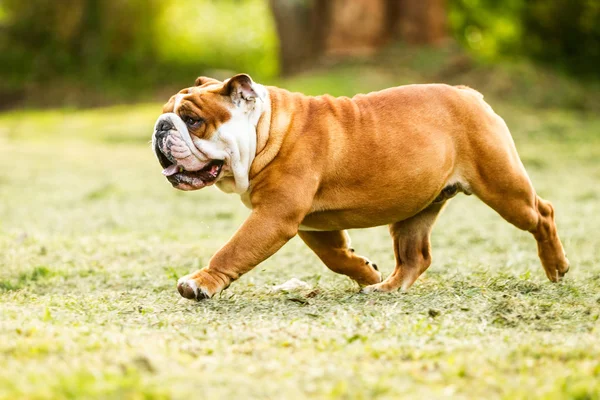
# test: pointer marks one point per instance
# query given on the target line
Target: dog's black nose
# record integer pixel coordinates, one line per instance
(164, 126)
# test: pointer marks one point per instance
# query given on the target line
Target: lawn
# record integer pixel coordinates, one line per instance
(93, 239)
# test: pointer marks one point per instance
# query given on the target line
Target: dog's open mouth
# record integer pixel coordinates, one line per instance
(206, 176)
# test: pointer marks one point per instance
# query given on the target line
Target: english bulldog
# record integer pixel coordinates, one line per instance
(317, 166)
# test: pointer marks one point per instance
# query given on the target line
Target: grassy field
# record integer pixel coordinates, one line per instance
(93, 239)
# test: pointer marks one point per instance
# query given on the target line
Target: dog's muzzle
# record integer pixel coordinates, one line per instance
(163, 127)
(183, 164)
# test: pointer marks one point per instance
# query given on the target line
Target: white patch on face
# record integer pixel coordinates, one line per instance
(178, 99)
(238, 136)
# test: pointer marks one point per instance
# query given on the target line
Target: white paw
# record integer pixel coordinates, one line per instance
(188, 288)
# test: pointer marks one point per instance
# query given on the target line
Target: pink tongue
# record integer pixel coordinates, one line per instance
(171, 170)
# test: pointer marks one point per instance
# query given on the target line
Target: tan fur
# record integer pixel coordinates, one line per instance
(330, 164)
(204, 104)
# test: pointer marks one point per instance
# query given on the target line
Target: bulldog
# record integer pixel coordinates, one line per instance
(317, 166)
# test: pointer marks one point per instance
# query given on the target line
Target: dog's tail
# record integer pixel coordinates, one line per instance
(473, 91)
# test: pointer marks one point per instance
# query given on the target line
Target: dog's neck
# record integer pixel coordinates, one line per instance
(262, 129)
(271, 129)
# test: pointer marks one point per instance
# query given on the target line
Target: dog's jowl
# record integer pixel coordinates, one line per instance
(316, 166)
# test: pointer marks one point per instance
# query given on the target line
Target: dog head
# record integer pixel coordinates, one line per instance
(207, 133)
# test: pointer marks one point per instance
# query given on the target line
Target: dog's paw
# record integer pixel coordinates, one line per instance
(369, 275)
(189, 288)
(564, 267)
(372, 289)
(556, 271)
(378, 274)
(387, 286)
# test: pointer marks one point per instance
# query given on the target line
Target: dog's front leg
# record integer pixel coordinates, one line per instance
(261, 235)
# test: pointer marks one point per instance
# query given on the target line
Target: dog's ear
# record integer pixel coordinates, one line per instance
(202, 80)
(242, 88)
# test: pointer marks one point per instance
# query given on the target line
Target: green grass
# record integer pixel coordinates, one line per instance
(93, 239)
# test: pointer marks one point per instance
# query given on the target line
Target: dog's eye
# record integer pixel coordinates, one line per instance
(192, 122)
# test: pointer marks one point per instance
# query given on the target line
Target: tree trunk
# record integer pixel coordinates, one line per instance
(299, 41)
(308, 29)
(357, 28)
(420, 22)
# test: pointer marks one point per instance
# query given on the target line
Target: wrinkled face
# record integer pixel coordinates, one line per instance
(207, 133)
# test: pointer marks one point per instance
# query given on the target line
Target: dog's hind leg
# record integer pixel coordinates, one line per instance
(412, 249)
(333, 248)
(499, 179)
(513, 197)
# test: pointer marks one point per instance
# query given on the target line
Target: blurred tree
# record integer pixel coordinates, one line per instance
(563, 33)
(65, 49)
(308, 29)
(566, 32)
(355, 27)
(44, 39)
(300, 30)
(419, 21)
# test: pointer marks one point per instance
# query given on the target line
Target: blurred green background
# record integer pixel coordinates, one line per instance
(96, 52)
